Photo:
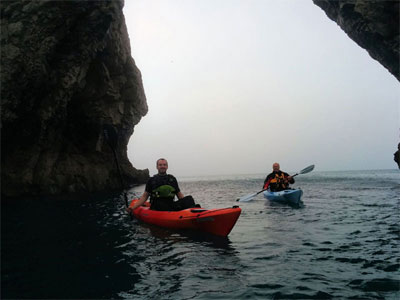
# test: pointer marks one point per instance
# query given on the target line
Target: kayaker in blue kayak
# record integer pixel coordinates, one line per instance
(162, 189)
(277, 180)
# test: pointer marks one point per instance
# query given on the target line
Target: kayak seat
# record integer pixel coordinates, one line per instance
(185, 203)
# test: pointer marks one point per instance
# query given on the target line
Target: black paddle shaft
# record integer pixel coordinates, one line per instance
(111, 137)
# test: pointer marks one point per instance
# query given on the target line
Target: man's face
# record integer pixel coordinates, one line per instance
(275, 167)
(162, 166)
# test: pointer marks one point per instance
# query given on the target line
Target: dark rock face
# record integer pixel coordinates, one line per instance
(66, 70)
(372, 24)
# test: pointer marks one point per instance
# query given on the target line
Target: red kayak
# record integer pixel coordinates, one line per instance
(219, 221)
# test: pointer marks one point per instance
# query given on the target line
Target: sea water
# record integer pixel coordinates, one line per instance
(342, 242)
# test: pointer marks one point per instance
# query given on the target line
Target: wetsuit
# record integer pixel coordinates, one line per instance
(275, 181)
(162, 190)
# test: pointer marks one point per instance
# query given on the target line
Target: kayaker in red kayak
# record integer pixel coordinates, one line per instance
(162, 189)
(277, 180)
(397, 155)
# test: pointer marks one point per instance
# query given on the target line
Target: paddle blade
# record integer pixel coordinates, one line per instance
(307, 170)
(247, 197)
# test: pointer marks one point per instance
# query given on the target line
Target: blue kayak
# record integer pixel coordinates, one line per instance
(287, 196)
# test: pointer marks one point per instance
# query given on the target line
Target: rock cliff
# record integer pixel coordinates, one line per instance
(372, 24)
(66, 70)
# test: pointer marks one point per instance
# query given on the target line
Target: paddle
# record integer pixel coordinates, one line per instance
(111, 136)
(305, 170)
(251, 196)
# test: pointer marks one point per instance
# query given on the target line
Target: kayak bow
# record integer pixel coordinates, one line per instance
(286, 196)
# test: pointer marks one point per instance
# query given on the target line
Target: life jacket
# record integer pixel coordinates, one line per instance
(164, 189)
(277, 183)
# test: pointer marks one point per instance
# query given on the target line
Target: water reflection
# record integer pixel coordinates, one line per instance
(182, 264)
(53, 246)
(274, 204)
(202, 238)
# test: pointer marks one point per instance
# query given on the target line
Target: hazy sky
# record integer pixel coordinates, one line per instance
(236, 85)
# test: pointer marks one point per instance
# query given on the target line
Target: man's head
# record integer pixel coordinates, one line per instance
(162, 166)
(275, 167)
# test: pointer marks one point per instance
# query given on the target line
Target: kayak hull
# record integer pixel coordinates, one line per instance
(286, 196)
(215, 221)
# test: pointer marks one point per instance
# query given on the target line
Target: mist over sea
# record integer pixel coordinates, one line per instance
(343, 243)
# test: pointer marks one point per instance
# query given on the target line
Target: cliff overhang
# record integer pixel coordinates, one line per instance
(372, 24)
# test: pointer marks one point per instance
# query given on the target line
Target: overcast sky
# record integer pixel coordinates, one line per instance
(236, 85)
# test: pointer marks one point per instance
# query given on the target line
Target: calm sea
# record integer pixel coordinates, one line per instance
(342, 243)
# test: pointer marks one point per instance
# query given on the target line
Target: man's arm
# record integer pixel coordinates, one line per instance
(176, 186)
(289, 178)
(267, 182)
(142, 200)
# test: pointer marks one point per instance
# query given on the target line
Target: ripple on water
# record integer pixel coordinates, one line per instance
(376, 285)
(317, 295)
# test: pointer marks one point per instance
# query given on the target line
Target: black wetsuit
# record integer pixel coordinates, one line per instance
(162, 190)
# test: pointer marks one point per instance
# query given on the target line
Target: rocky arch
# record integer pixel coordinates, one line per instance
(66, 70)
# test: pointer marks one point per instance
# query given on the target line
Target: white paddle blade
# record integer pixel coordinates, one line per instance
(307, 170)
(247, 198)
